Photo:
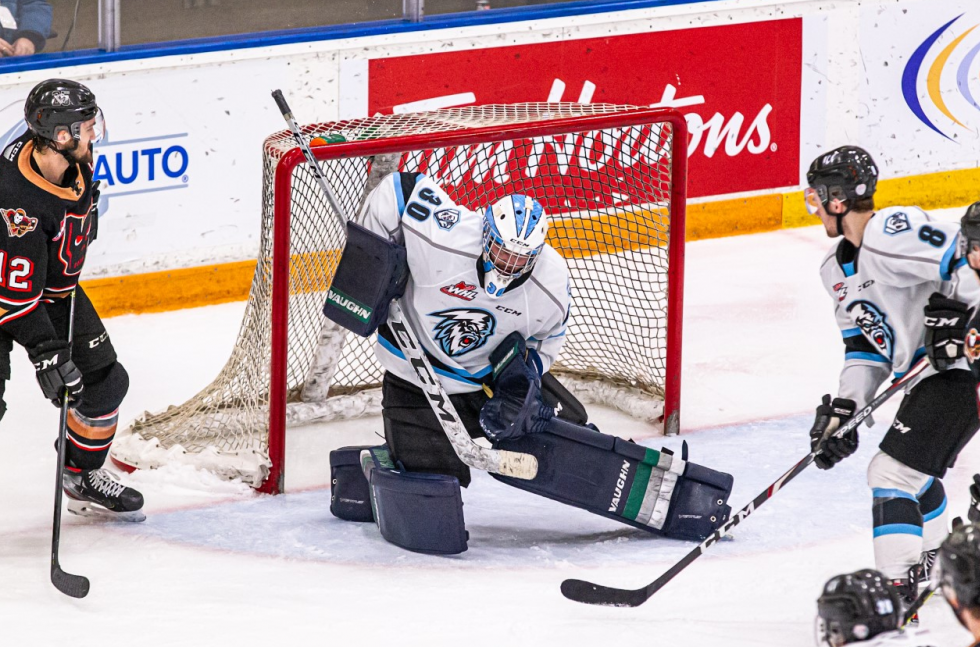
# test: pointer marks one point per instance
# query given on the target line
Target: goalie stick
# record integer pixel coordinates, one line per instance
(76, 586)
(507, 463)
(589, 593)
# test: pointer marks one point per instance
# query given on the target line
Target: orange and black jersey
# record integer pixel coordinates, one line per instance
(44, 235)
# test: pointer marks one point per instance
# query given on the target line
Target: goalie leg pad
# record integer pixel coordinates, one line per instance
(649, 489)
(372, 272)
(350, 494)
(418, 512)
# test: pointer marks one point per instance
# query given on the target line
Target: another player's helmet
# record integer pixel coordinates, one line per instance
(59, 103)
(959, 566)
(855, 607)
(970, 229)
(514, 230)
(847, 174)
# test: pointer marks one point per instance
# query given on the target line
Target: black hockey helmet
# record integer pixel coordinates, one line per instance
(959, 565)
(855, 607)
(847, 174)
(59, 103)
(970, 229)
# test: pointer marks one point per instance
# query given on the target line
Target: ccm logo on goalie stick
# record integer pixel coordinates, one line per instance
(426, 379)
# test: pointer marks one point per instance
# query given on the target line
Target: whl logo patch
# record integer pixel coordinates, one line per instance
(340, 300)
(841, 291)
(461, 290)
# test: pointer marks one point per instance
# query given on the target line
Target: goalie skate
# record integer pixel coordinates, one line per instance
(97, 493)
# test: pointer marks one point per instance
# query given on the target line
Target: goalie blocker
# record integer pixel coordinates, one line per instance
(372, 273)
(652, 490)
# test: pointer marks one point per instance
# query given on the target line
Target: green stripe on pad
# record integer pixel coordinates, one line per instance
(638, 489)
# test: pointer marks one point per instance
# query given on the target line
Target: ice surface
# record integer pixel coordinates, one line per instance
(215, 564)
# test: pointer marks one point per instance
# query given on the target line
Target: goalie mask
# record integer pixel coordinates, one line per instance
(514, 231)
(856, 607)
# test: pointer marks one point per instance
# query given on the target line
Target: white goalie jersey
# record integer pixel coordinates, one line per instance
(458, 324)
(880, 290)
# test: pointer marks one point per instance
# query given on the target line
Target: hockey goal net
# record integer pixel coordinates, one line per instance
(612, 181)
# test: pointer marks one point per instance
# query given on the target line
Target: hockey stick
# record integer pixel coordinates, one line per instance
(917, 604)
(589, 593)
(522, 466)
(74, 585)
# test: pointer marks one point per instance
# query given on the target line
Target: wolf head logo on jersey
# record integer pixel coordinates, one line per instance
(872, 323)
(19, 224)
(463, 330)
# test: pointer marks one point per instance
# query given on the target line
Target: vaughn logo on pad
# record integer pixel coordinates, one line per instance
(340, 300)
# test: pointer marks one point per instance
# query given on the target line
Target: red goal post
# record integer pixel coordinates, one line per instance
(612, 180)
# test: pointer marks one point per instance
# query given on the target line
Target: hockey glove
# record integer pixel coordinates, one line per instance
(829, 418)
(945, 321)
(56, 372)
(974, 513)
(516, 407)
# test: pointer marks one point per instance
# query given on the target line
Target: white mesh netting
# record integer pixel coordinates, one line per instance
(608, 195)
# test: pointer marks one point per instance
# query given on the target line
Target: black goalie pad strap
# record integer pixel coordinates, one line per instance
(372, 272)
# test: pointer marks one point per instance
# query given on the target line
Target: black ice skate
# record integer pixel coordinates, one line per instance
(97, 493)
(908, 589)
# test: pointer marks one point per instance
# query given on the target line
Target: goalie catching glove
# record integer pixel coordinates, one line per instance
(945, 321)
(830, 416)
(516, 407)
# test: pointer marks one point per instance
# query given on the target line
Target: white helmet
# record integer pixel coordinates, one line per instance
(514, 230)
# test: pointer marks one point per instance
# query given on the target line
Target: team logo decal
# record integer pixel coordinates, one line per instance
(19, 224)
(972, 345)
(60, 98)
(461, 290)
(462, 330)
(447, 218)
(872, 323)
(841, 291)
(897, 223)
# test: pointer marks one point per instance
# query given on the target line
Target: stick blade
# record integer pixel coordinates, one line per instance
(518, 465)
(76, 586)
(589, 593)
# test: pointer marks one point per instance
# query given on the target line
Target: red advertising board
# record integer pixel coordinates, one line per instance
(737, 85)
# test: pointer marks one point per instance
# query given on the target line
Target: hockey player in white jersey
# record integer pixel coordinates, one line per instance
(475, 279)
(489, 301)
(901, 292)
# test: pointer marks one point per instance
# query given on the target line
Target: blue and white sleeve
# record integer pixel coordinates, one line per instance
(865, 368)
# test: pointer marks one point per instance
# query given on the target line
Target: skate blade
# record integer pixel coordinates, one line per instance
(89, 509)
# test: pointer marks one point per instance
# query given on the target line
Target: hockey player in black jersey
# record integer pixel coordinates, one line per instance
(48, 205)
